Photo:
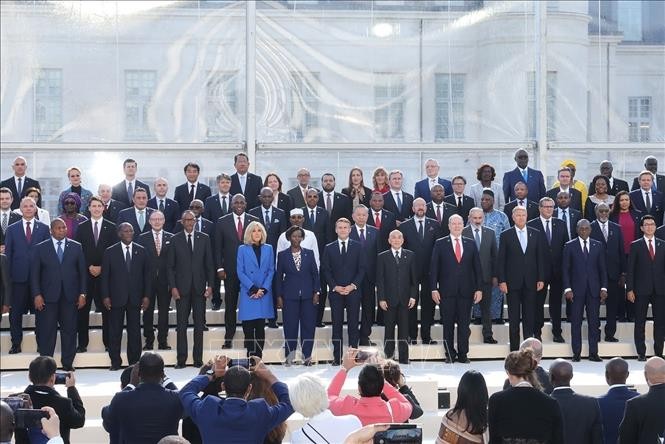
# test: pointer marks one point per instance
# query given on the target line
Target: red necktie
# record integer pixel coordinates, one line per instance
(377, 221)
(28, 233)
(438, 213)
(239, 229)
(652, 253)
(458, 251)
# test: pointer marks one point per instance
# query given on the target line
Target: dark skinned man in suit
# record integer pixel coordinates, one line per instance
(521, 200)
(382, 219)
(616, 184)
(439, 209)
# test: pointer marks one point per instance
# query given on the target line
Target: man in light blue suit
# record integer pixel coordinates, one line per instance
(424, 186)
(533, 179)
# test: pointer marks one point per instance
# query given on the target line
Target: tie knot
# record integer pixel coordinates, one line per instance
(60, 243)
(477, 230)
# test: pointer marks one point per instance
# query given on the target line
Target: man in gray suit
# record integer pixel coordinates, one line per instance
(485, 239)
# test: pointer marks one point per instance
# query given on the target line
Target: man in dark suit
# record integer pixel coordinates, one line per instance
(216, 206)
(337, 205)
(456, 283)
(7, 216)
(420, 233)
(169, 207)
(459, 200)
(316, 220)
(21, 238)
(522, 173)
(343, 264)
(521, 200)
(157, 244)
(112, 207)
(396, 286)
(584, 273)
(651, 165)
(645, 283)
(643, 421)
(616, 184)
(229, 235)
(245, 183)
(95, 235)
(396, 200)
(647, 200)
(423, 187)
(124, 191)
(298, 193)
(582, 422)
(660, 232)
(381, 219)
(367, 236)
(439, 209)
(609, 235)
(542, 375)
(554, 236)
(58, 286)
(192, 189)
(485, 240)
(190, 273)
(19, 182)
(613, 403)
(521, 265)
(569, 216)
(202, 224)
(125, 292)
(137, 216)
(565, 176)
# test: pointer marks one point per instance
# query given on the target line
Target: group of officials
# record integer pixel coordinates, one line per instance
(363, 247)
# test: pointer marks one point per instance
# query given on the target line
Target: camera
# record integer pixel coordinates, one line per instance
(400, 433)
(241, 362)
(61, 377)
(18, 401)
(29, 419)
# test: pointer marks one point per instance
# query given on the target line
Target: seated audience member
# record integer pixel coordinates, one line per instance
(261, 390)
(522, 413)
(541, 374)
(189, 430)
(613, 403)
(644, 421)
(393, 375)
(149, 412)
(235, 418)
(174, 439)
(309, 398)
(370, 408)
(467, 421)
(43, 394)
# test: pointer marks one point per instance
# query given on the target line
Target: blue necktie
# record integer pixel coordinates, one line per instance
(525, 175)
(477, 237)
(60, 252)
(399, 203)
(548, 233)
(130, 192)
(522, 240)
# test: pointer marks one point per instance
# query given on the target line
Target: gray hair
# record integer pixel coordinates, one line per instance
(535, 345)
(308, 395)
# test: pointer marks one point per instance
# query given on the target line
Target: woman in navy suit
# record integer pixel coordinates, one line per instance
(297, 287)
(256, 268)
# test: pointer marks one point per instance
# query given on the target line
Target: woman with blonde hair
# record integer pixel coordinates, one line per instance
(380, 180)
(74, 176)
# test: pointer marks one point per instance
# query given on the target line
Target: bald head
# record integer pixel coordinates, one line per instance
(616, 371)
(654, 371)
(535, 345)
(561, 372)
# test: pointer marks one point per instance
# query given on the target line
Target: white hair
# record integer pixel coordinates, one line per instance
(308, 395)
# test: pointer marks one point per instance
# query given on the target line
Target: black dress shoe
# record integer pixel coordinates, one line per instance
(308, 362)
(198, 364)
(429, 342)
(320, 324)
(217, 306)
(114, 368)
(106, 349)
(595, 358)
(227, 345)
(15, 349)
(413, 342)
(179, 365)
(205, 327)
(477, 321)
(449, 360)
(497, 321)
(367, 343)
(148, 346)
(462, 359)
(611, 339)
(336, 363)
(81, 349)
(68, 368)
(576, 358)
(559, 339)
(164, 347)
(272, 324)
(490, 340)
(641, 358)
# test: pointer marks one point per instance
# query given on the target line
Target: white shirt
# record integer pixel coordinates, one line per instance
(132, 182)
(99, 222)
(567, 189)
(189, 186)
(308, 242)
(263, 213)
(644, 196)
(22, 182)
(433, 181)
(653, 242)
(395, 193)
(473, 232)
(32, 221)
(240, 218)
(396, 251)
(346, 243)
(159, 233)
(124, 250)
(461, 244)
(544, 221)
(55, 244)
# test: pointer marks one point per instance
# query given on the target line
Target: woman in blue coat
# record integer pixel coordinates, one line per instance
(297, 287)
(256, 268)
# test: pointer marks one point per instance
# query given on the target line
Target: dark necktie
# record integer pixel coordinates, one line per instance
(60, 253)
(191, 193)
(652, 252)
(548, 232)
(421, 230)
(438, 213)
(399, 203)
(343, 248)
(161, 205)
(459, 202)
(648, 201)
(225, 208)
(586, 249)
(95, 232)
(267, 218)
(239, 230)
(521, 203)
(328, 204)
(312, 218)
(20, 187)
(397, 257)
(28, 232)
(362, 237)
(477, 238)
(128, 259)
(130, 192)
(189, 243)
(5, 222)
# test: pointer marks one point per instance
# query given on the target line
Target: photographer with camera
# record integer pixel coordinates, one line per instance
(393, 375)
(233, 417)
(70, 410)
(50, 424)
(370, 408)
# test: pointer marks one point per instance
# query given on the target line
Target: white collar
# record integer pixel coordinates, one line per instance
(545, 220)
(458, 195)
(521, 229)
(241, 175)
(93, 220)
(563, 387)
(646, 239)
(55, 242)
(156, 233)
(196, 184)
(16, 178)
(418, 219)
(396, 251)
(617, 385)
(24, 220)
(645, 191)
(130, 245)
(581, 241)
(223, 195)
(242, 216)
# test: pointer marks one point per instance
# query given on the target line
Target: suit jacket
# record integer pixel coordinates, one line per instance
(452, 278)
(422, 188)
(343, 270)
(125, 287)
(581, 273)
(370, 248)
(422, 247)
(11, 218)
(581, 416)
(396, 283)
(407, 205)
(119, 192)
(617, 185)
(573, 217)
(615, 257)
(643, 420)
(53, 279)
(388, 224)
(487, 252)
(319, 227)
(160, 411)
(575, 197)
(227, 242)
(253, 185)
(5, 281)
(364, 201)
(554, 249)
(27, 183)
(19, 251)
(341, 208)
(535, 184)
(285, 203)
(172, 211)
(612, 406)
(113, 208)
(181, 194)
(660, 183)
(643, 275)
(518, 268)
(213, 208)
(207, 227)
(158, 264)
(296, 196)
(85, 236)
(190, 271)
(254, 274)
(447, 211)
(294, 284)
(660, 232)
(278, 223)
(637, 199)
(129, 215)
(531, 210)
(543, 377)
(467, 204)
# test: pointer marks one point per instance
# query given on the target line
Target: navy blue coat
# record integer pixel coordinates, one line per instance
(612, 407)
(48, 276)
(19, 251)
(580, 273)
(554, 250)
(253, 185)
(451, 278)
(121, 286)
(407, 205)
(370, 248)
(119, 191)
(213, 207)
(343, 270)
(172, 211)
(291, 283)
(614, 254)
(535, 184)
(319, 227)
(422, 188)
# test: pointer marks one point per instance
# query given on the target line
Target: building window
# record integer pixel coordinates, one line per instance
(629, 16)
(389, 107)
(449, 106)
(139, 88)
(303, 106)
(639, 119)
(221, 106)
(551, 105)
(48, 105)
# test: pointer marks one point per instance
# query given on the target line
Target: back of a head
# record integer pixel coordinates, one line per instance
(391, 372)
(472, 399)
(236, 381)
(522, 364)
(616, 371)
(151, 367)
(561, 373)
(654, 370)
(41, 369)
(535, 345)
(261, 389)
(308, 395)
(370, 381)
(126, 376)
(6, 422)
(173, 439)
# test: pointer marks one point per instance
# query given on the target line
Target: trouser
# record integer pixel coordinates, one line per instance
(614, 293)
(521, 303)
(625, 308)
(195, 304)
(299, 313)
(323, 296)
(216, 293)
(63, 313)
(338, 304)
(555, 293)
(117, 317)
(641, 308)
(231, 290)
(427, 307)
(592, 304)
(456, 309)
(20, 301)
(83, 315)
(485, 310)
(255, 336)
(160, 297)
(368, 304)
(396, 315)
